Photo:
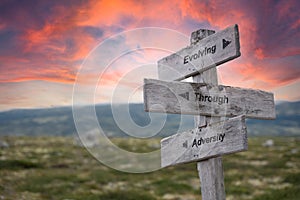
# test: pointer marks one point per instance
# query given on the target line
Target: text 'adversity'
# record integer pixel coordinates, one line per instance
(202, 141)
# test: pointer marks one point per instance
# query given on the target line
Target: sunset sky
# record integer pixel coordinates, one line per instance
(43, 45)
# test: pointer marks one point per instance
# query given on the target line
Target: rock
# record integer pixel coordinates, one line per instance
(89, 139)
(294, 151)
(268, 143)
(4, 144)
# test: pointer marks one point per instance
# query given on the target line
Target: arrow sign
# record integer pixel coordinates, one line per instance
(221, 138)
(207, 53)
(225, 43)
(198, 98)
(185, 95)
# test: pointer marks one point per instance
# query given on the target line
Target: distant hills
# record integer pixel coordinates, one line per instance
(59, 121)
(287, 122)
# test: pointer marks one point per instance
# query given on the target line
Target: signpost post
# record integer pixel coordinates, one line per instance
(212, 137)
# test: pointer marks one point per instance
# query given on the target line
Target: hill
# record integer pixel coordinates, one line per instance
(59, 121)
(287, 122)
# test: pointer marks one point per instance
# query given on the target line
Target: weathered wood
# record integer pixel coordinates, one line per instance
(207, 53)
(195, 98)
(211, 170)
(212, 179)
(217, 139)
(200, 34)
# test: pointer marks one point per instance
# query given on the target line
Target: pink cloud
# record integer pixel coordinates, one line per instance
(52, 39)
(51, 46)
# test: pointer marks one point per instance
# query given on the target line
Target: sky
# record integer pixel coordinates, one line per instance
(48, 48)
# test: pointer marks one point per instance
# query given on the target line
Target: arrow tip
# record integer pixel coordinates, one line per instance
(185, 95)
(226, 43)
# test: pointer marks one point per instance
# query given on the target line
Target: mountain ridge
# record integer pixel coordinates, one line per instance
(59, 121)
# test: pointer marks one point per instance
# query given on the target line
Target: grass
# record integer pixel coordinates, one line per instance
(292, 193)
(54, 168)
(18, 164)
(126, 195)
(168, 186)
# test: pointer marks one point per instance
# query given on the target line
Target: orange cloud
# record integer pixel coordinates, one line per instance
(51, 46)
(24, 70)
(259, 74)
(130, 14)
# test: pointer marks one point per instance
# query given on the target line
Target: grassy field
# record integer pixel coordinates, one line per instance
(54, 168)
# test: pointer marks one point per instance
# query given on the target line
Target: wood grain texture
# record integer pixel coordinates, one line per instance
(211, 170)
(198, 98)
(212, 179)
(205, 54)
(217, 139)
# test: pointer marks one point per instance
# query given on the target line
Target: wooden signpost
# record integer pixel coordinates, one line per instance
(208, 101)
(207, 53)
(197, 144)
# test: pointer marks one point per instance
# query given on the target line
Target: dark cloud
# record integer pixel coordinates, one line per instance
(8, 42)
(20, 15)
(277, 30)
(47, 40)
(93, 31)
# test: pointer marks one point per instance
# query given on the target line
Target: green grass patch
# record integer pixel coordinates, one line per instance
(293, 178)
(292, 193)
(18, 164)
(126, 195)
(49, 168)
(169, 186)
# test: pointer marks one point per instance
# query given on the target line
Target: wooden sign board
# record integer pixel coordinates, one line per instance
(217, 139)
(207, 53)
(198, 98)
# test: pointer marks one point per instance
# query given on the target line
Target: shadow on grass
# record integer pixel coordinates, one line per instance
(292, 193)
(126, 195)
(18, 164)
